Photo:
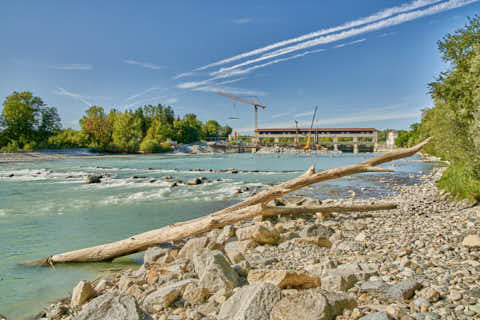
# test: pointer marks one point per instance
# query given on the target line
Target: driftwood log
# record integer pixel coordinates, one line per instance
(247, 209)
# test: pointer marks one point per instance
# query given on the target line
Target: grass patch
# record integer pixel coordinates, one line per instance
(461, 182)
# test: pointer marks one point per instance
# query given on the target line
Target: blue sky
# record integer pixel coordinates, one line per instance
(364, 63)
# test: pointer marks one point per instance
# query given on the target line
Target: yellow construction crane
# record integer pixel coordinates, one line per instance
(307, 146)
(254, 103)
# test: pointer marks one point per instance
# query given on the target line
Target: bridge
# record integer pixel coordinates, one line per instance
(334, 138)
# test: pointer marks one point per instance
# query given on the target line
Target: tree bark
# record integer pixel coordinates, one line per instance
(251, 207)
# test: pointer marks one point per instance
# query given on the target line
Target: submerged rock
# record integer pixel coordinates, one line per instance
(94, 179)
(194, 181)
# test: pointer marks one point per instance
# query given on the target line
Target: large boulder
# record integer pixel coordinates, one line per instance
(165, 296)
(252, 302)
(312, 304)
(260, 234)
(82, 292)
(193, 245)
(235, 249)
(346, 275)
(214, 271)
(154, 253)
(283, 278)
(112, 306)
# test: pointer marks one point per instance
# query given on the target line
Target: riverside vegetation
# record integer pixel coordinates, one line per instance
(26, 123)
(454, 121)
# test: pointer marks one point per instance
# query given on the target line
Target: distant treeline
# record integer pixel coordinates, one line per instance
(454, 121)
(26, 123)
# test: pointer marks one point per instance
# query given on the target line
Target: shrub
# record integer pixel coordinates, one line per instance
(154, 146)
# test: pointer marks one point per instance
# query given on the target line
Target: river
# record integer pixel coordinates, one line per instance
(46, 207)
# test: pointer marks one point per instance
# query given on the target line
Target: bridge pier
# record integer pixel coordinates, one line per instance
(276, 140)
(335, 143)
(355, 144)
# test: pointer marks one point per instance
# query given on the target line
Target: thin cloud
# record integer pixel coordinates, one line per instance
(237, 91)
(280, 115)
(399, 19)
(143, 64)
(62, 92)
(171, 100)
(375, 17)
(73, 66)
(386, 34)
(242, 20)
(142, 93)
(183, 75)
(304, 114)
(350, 43)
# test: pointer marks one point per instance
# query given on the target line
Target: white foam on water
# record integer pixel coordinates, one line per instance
(214, 191)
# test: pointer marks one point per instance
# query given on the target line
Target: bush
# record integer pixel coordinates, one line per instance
(460, 181)
(29, 147)
(12, 146)
(154, 146)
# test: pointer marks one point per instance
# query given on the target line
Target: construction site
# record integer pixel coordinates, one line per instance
(308, 139)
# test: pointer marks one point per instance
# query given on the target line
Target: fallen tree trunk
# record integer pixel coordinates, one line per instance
(251, 207)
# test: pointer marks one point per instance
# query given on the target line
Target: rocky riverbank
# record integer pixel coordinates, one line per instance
(419, 261)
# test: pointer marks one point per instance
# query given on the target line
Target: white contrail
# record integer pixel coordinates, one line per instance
(399, 19)
(341, 45)
(375, 17)
(62, 92)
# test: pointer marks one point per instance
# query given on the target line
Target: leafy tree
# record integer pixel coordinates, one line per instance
(211, 129)
(454, 121)
(188, 129)
(20, 116)
(97, 126)
(127, 132)
(50, 123)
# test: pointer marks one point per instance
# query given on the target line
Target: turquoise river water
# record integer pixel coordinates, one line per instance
(46, 208)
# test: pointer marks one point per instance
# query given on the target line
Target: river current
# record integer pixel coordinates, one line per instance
(46, 208)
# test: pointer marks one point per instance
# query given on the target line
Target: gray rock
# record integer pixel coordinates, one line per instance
(112, 306)
(192, 246)
(317, 230)
(165, 296)
(253, 302)
(374, 286)
(404, 289)
(376, 316)
(315, 304)
(214, 271)
(82, 292)
(345, 276)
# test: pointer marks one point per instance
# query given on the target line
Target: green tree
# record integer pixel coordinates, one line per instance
(454, 120)
(50, 124)
(127, 132)
(211, 129)
(97, 127)
(20, 116)
(188, 129)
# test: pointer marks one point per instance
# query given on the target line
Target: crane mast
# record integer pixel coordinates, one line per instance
(254, 104)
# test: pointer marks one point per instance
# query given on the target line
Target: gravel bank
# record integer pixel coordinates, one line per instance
(414, 262)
